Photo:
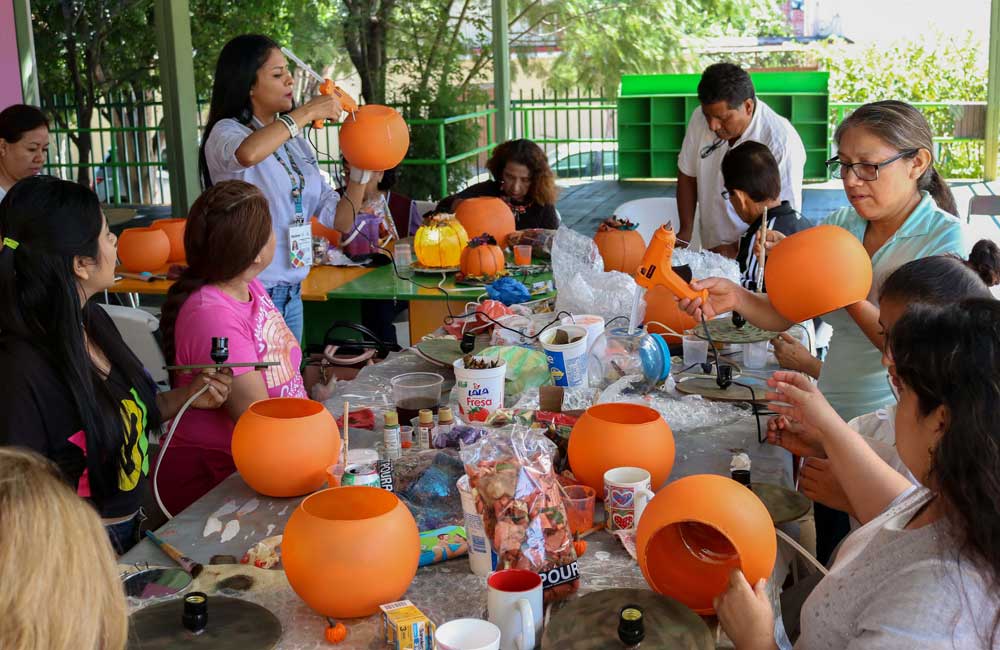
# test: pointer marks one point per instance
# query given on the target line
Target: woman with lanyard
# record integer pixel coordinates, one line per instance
(253, 135)
(901, 210)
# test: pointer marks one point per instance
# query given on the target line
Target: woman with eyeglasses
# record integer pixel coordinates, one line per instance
(901, 210)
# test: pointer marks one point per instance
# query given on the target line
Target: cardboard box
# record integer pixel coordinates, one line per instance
(406, 628)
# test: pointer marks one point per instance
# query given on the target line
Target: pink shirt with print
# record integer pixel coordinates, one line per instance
(256, 332)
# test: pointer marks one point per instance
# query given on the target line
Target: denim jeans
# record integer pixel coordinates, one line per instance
(124, 535)
(288, 300)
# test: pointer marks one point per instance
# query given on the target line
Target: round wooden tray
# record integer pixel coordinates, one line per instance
(420, 268)
(723, 331)
(233, 624)
(707, 388)
(783, 504)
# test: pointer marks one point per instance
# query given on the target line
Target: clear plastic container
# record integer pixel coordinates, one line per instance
(414, 391)
(618, 353)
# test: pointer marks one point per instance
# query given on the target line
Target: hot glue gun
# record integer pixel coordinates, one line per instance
(655, 267)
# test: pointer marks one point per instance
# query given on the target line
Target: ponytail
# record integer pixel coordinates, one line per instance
(938, 189)
(178, 294)
(985, 261)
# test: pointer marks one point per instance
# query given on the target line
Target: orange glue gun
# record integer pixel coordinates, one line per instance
(655, 267)
(346, 101)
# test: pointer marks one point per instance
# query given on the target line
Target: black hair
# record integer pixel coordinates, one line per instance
(950, 356)
(54, 221)
(18, 119)
(725, 82)
(235, 76)
(751, 167)
(945, 279)
(389, 178)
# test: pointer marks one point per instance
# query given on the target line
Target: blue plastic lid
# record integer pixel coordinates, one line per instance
(665, 350)
(656, 359)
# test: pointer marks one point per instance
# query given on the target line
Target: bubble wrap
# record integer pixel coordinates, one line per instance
(584, 287)
(682, 412)
(706, 264)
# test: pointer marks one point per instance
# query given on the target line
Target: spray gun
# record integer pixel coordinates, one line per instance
(326, 87)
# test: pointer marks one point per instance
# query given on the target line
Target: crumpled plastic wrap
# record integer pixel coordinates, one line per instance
(584, 287)
(682, 412)
(706, 264)
(575, 398)
(425, 481)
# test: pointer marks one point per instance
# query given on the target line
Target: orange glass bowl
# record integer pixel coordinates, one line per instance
(143, 250)
(696, 531)
(486, 214)
(816, 271)
(283, 446)
(375, 137)
(174, 229)
(347, 550)
(620, 435)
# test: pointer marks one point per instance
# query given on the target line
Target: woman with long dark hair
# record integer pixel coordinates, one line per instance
(925, 571)
(71, 388)
(253, 135)
(523, 179)
(229, 243)
(24, 143)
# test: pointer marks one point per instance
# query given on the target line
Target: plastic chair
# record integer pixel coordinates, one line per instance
(136, 327)
(985, 206)
(652, 213)
(423, 207)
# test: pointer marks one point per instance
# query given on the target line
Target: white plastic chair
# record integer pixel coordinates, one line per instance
(423, 207)
(652, 213)
(137, 327)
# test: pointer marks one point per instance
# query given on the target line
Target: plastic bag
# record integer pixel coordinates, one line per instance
(519, 498)
(584, 287)
(539, 239)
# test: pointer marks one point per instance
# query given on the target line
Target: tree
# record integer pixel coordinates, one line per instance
(365, 28)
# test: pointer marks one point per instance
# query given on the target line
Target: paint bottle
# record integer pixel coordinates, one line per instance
(424, 426)
(390, 435)
(445, 422)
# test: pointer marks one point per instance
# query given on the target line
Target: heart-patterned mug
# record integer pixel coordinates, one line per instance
(627, 490)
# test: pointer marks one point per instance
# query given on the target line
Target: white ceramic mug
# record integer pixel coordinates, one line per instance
(467, 634)
(627, 490)
(514, 603)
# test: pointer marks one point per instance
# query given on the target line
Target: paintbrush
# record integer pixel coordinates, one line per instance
(184, 561)
(347, 410)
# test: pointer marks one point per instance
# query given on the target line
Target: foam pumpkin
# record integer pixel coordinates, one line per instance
(487, 214)
(482, 258)
(439, 242)
(620, 244)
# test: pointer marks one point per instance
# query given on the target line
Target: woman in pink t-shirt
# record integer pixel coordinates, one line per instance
(229, 241)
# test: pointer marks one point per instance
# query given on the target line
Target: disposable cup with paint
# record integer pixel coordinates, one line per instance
(695, 351)
(467, 634)
(482, 560)
(413, 391)
(514, 603)
(522, 255)
(480, 390)
(754, 354)
(579, 501)
(406, 436)
(593, 324)
(334, 474)
(565, 349)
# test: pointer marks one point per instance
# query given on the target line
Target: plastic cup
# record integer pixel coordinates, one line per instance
(406, 436)
(481, 557)
(403, 256)
(755, 354)
(479, 390)
(567, 361)
(522, 255)
(579, 501)
(414, 391)
(695, 351)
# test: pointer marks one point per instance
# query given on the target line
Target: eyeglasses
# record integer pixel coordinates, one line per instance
(725, 195)
(707, 151)
(862, 170)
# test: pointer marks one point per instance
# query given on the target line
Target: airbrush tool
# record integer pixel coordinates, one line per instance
(326, 87)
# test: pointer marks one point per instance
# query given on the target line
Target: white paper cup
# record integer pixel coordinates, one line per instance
(479, 390)
(755, 354)
(592, 323)
(695, 350)
(568, 361)
(467, 634)
(481, 556)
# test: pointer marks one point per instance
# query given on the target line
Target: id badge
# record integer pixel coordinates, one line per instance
(300, 250)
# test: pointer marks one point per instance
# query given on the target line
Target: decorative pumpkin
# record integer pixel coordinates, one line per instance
(696, 531)
(174, 229)
(482, 257)
(620, 435)
(487, 214)
(439, 242)
(143, 250)
(283, 446)
(816, 271)
(662, 307)
(620, 244)
(374, 137)
(580, 546)
(361, 538)
(335, 632)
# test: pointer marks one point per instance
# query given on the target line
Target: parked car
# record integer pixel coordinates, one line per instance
(577, 160)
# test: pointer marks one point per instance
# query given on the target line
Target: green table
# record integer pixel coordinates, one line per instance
(428, 304)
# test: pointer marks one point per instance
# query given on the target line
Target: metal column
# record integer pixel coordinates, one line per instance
(501, 69)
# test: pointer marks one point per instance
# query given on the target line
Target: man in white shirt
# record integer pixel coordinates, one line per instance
(730, 113)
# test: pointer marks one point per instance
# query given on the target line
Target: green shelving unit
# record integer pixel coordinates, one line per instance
(654, 110)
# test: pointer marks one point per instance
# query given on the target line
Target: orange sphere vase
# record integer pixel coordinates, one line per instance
(347, 550)
(696, 531)
(621, 246)
(816, 271)
(662, 308)
(375, 137)
(174, 229)
(283, 446)
(620, 435)
(143, 250)
(486, 214)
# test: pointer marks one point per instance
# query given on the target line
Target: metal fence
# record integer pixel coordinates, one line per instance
(128, 162)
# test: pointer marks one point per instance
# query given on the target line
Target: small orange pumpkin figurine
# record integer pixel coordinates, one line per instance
(620, 244)
(482, 258)
(335, 632)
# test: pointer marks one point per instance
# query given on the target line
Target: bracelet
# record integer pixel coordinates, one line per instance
(293, 128)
